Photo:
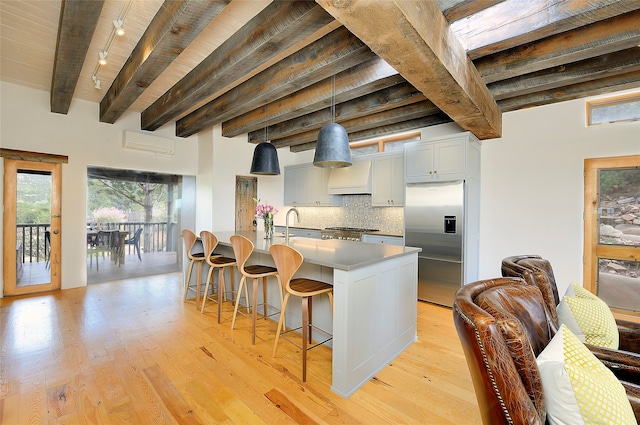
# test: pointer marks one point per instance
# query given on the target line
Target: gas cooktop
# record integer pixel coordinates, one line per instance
(351, 229)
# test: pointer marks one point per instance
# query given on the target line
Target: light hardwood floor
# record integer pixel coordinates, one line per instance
(131, 352)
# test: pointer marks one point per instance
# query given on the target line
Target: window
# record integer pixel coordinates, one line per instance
(612, 231)
(384, 144)
(127, 201)
(616, 109)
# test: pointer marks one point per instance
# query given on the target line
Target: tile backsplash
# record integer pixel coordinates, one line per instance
(355, 212)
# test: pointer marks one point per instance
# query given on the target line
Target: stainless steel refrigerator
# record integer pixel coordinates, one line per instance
(434, 221)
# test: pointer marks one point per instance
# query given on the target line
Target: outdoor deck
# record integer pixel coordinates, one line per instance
(152, 263)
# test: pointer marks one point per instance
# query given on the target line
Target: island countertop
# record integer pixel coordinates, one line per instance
(375, 290)
(334, 253)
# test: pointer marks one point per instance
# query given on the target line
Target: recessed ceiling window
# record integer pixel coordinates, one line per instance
(616, 109)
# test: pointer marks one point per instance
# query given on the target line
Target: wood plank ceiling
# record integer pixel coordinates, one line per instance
(270, 69)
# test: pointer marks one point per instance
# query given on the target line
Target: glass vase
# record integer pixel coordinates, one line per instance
(268, 227)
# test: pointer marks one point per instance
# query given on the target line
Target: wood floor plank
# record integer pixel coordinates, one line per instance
(173, 401)
(89, 401)
(111, 387)
(147, 404)
(292, 410)
(132, 352)
(60, 401)
(33, 405)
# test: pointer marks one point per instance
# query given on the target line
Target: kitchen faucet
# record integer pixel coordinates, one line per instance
(286, 228)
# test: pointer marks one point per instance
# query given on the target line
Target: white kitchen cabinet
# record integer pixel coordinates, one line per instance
(306, 185)
(388, 180)
(389, 240)
(291, 178)
(444, 158)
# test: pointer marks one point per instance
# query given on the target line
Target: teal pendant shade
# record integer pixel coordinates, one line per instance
(265, 160)
(332, 149)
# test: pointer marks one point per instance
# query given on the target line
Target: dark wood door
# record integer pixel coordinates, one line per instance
(246, 192)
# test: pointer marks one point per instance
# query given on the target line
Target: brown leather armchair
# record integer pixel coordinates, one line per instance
(624, 362)
(503, 325)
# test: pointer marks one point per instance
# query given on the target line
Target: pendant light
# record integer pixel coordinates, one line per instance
(265, 156)
(332, 148)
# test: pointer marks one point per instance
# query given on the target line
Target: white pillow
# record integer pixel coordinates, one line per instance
(588, 317)
(578, 388)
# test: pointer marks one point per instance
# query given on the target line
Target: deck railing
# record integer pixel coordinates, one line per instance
(156, 236)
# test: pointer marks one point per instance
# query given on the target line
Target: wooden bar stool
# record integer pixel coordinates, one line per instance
(288, 260)
(209, 241)
(242, 249)
(194, 257)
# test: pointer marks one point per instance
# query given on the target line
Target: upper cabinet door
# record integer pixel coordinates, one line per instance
(306, 185)
(388, 180)
(446, 158)
(449, 157)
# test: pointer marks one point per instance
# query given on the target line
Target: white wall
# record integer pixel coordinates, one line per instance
(221, 159)
(532, 177)
(26, 123)
(533, 185)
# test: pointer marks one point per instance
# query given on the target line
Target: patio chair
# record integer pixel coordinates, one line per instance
(135, 241)
(104, 242)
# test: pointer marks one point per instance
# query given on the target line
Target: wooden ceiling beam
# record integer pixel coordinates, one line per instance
(347, 85)
(426, 121)
(78, 20)
(607, 36)
(514, 23)
(467, 8)
(391, 116)
(290, 123)
(173, 28)
(294, 123)
(382, 118)
(257, 42)
(392, 97)
(418, 42)
(565, 75)
(333, 53)
(626, 81)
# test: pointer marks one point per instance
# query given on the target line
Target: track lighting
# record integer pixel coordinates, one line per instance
(117, 30)
(102, 58)
(117, 24)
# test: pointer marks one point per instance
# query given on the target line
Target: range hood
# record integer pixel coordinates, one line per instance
(351, 180)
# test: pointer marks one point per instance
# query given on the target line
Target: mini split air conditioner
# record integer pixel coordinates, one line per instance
(148, 143)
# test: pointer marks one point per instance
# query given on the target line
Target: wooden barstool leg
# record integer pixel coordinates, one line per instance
(305, 332)
(280, 323)
(243, 284)
(206, 289)
(232, 278)
(235, 308)
(199, 282)
(284, 320)
(221, 291)
(254, 310)
(186, 282)
(233, 284)
(310, 319)
(264, 297)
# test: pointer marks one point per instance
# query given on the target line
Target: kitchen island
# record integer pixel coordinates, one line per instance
(375, 296)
